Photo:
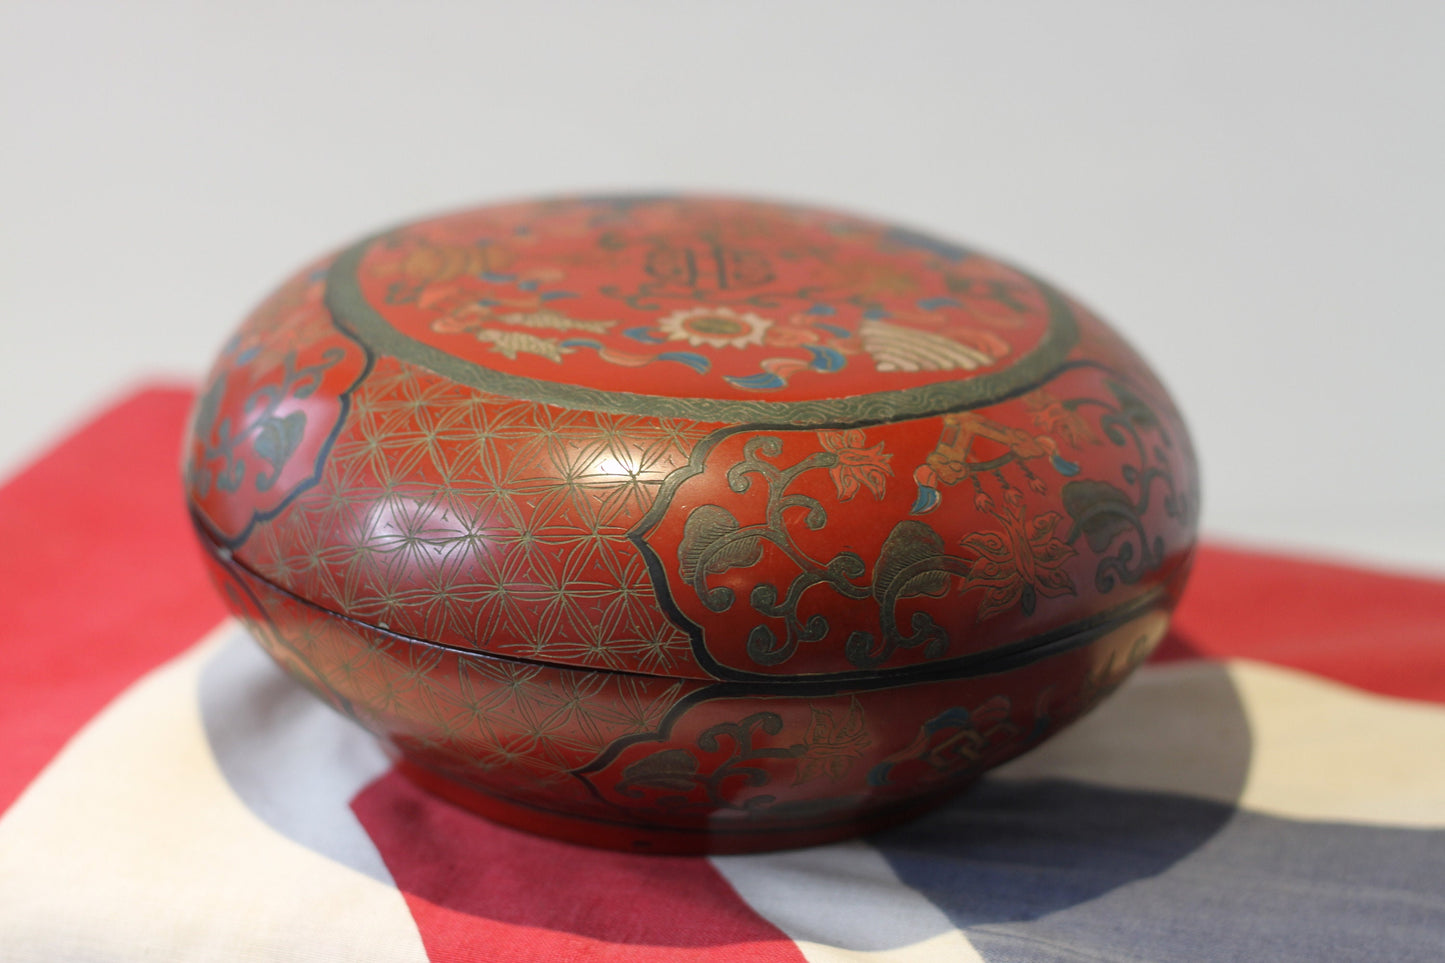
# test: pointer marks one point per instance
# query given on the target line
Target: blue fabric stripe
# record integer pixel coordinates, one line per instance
(1045, 871)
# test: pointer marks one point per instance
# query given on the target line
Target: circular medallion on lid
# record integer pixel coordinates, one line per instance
(715, 310)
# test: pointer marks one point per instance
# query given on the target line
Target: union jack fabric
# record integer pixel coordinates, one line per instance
(1271, 786)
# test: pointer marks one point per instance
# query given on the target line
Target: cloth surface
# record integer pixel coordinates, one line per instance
(1269, 787)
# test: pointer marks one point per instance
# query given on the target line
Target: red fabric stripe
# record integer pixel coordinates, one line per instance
(1376, 631)
(101, 580)
(481, 891)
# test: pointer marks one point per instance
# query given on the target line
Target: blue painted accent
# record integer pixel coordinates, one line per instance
(555, 295)
(833, 329)
(1063, 466)
(956, 717)
(528, 285)
(498, 278)
(924, 242)
(245, 357)
(933, 304)
(927, 501)
(822, 309)
(825, 359)
(645, 335)
(875, 314)
(758, 382)
(694, 361)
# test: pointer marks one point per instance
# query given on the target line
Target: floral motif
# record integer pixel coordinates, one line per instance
(856, 467)
(426, 264)
(1055, 417)
(951, 461)
(1020, 563)
(910, 563)
(272, 431)
(831, 746)
(1109, 517)
(715, 327)
(681, 780)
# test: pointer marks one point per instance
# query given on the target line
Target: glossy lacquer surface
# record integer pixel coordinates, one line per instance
(780, 523)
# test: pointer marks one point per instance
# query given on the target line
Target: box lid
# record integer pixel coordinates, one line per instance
(696, 437)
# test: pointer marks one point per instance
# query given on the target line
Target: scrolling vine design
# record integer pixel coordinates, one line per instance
(679, 781)
(1106, 515)
(1023, 558)
(271, 436)
(913, 561)
(675, 773)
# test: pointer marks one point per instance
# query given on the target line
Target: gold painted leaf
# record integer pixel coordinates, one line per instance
(903, 569)
(703, 549)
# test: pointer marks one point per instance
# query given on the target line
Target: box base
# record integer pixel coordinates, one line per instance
(663, 840)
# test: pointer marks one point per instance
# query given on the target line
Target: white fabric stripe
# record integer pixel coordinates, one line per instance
(1328, 751)
(289, 757)
(843, 903)
(131, 846)
(1299, 746)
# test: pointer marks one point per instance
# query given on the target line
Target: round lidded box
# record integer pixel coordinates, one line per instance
(690, 524)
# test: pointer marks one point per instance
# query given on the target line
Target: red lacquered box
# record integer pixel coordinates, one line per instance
(687, 524)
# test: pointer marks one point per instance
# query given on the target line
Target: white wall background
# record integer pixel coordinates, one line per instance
(1253, 192)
